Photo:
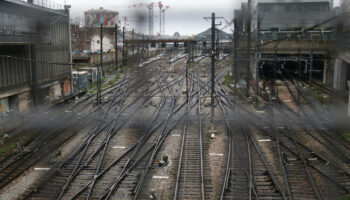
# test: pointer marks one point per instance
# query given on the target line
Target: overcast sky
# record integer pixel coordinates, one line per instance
(184, 16)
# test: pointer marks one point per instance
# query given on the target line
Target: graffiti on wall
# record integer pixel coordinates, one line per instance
(66, 87)
(3, 106)
(96, 19)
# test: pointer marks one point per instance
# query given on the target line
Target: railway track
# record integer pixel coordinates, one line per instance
(190, 182)
(74, 173)
(303, 174)
(42, 145)
(317, 129)
(304, 166)
(258, 179)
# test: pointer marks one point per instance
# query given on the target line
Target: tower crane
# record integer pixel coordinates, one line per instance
(163, 12)
(150, 7)
(126, 20)
(160, 5)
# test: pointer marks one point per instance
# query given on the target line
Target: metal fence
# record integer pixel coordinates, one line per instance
(17, 73)
(292, 35)
(47, 4)
(25, 37)
(14, 73)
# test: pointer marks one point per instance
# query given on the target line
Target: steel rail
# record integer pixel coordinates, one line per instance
(309, 163)
(158, 144)
(200, 140)
(77, 167)
(76, 171)
(251, 185)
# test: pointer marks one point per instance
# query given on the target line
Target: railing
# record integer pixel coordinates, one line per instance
(14, 73)
(17, 73)
(22, 32)
(291, 35)
(47, 4)
(33, 38)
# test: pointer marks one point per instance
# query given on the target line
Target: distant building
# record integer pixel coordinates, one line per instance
(81, 40)
(93, 21)
(285, 15)
(283, 20)
(35, 54)
(342, 60)
(206, 35)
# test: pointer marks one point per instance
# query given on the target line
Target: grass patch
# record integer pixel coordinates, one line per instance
(317, 94)
(229, 79)
(295, 173)
(208, 137)
(347, 136)
(327, 84)
(7, 148)
(115, 79)
(93, 91)
(11, 144)
(123, 68)
(344, 198)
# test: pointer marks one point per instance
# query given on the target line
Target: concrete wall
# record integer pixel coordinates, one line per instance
(108, 43)
(55, 91)
(24, 102)
(34, 53)
(66, 87)
(4, 105)
(292, 47)
(107, 58)
(340, 71)
(303, 16)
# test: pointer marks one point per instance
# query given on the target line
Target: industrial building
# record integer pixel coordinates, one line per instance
(94, 18)
(291, 15)
(35, 54)
(342, 57)
(308, 53)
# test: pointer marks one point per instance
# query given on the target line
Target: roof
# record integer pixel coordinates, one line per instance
(101, 10)
(207, 34)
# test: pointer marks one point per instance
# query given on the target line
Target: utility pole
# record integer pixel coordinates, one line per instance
(275, 70)
(235, 41)
(213, 52)
(132, 38)
(188, 62)
(257, 56)
(248, 44)
(143, 48)
(299, 66)
(189, 51)
(99, 69)
(311, 62)
(101, 47)
(124, 53)
(116, 46)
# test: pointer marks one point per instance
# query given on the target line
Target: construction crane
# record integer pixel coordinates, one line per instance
(150, 7)
(151, 18)
(163, 12)
(160, 5)
(126, 19)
